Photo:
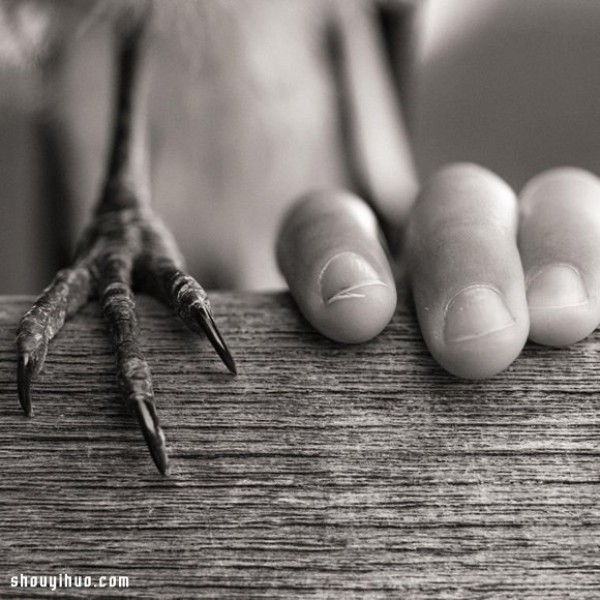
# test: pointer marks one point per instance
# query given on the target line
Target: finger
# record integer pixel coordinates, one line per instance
(329, 252)
(466, 273)
(377, 145)
(559, 240)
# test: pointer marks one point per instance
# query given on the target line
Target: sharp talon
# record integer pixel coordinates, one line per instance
(154, 436)
(212, 333)
(24, 375)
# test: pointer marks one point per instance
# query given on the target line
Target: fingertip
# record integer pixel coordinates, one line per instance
(559, 240)
(357, 303)
(562, 327)
(549, 179)
(480, 336)
(330, 254)
(561, 311)
(466, 272)
(483, 357)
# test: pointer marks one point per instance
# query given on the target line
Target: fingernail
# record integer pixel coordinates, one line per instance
(347, 275)
(474, 312)
(556, 286)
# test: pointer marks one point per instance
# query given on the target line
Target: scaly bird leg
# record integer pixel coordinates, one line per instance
(125, 245)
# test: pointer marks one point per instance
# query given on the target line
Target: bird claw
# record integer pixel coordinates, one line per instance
(153, 434)
(24, 375)
(125, 242)
(106, 265)
(204, 317)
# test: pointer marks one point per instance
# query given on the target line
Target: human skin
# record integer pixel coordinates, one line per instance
(486, 270)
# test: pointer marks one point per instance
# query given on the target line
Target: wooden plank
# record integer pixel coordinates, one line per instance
(321, 471)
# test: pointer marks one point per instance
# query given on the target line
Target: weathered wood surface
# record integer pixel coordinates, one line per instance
(321, 471)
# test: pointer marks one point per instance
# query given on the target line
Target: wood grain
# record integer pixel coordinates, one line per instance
(321, 471)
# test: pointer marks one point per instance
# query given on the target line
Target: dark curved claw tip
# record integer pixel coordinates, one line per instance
(216, 339)
(154, 435)
(24, 376)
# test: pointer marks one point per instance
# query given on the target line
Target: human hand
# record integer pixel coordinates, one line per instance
(486, 271)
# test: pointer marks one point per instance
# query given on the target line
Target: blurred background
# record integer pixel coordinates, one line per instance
(509, 84)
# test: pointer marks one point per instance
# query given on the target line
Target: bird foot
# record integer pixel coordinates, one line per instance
(123, 249)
